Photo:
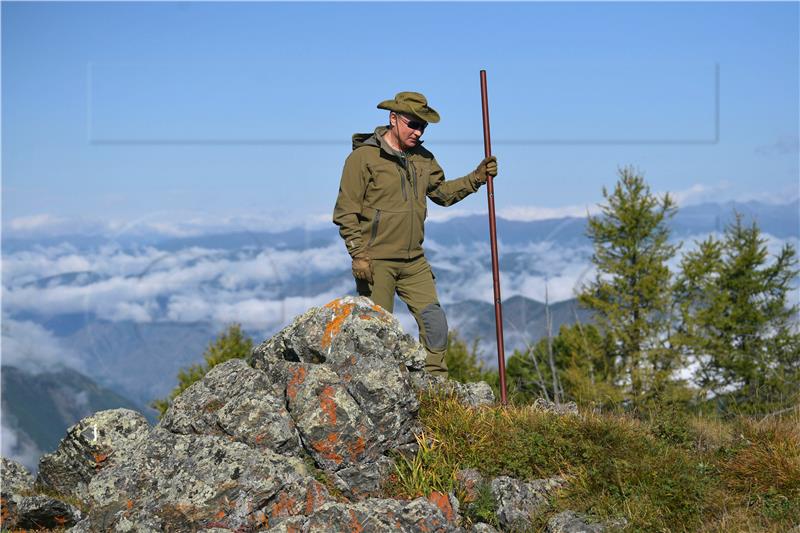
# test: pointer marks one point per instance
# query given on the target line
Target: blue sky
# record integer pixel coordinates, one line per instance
(169, 111)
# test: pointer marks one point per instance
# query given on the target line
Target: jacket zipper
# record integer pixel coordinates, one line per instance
(375, 227)
(413, 176)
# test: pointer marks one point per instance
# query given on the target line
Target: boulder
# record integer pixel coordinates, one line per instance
(473, 394)
(343, 371)
(15, 483)
(234, 400)
(14, 478)
(363, 480)
(569, 408)
(186, 482)
(44, 512)
(572, 522)
(340, 333)
(517, 500)
(97, 442)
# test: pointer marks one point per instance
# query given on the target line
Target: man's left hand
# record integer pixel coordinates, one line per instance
(487, 167)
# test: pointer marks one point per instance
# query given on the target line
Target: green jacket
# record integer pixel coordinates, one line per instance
(381, 207)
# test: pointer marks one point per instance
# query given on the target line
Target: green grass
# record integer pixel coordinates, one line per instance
(668, 472)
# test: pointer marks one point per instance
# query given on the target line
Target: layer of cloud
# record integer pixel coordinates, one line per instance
(16, 445)
(31, 347)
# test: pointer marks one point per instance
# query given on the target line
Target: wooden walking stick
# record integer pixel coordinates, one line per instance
(498, 308)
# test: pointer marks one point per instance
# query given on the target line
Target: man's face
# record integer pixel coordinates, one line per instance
(409, 129)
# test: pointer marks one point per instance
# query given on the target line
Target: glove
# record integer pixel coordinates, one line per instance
(362, 268)
(487, 166)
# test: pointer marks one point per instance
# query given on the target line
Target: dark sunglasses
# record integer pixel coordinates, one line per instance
(414, 124)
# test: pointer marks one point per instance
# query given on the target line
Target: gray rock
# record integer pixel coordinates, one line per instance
(473, 394)
(334, 429)
(569, 408)
(14, 478)
(377, 515)
(481, 527)
(95, 443)
(517, 501)
(342, 370)
(470, 481)
(363, 480)
(339, 334)
(572, 522)
(186, 482)
(236, 400)
(44, 512)
(15, 484)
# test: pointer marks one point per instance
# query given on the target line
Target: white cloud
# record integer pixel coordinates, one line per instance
(33, 348)
(16, 446)
(524, 213)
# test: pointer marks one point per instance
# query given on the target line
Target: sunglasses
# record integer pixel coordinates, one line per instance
(414, 124)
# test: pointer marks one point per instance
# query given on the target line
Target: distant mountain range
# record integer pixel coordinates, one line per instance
(38, 408)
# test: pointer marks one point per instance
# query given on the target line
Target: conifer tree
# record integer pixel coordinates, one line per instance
(736, 321)
(631, 292)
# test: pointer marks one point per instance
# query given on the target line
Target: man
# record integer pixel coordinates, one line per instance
(381, 210)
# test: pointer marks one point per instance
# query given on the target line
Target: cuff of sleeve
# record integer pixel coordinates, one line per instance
(474, 181)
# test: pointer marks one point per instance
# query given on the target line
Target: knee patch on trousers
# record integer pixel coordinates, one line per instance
(435, 323)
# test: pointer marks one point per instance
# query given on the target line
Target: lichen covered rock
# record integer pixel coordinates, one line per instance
(473, 394)
(377, 515)
(517, 500)
(96, 442)
(234, 400)
(194, 481)
(343, 370)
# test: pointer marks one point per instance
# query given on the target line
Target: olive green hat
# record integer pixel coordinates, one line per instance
(411, 104)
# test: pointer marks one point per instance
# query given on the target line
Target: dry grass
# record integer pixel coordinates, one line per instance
(670, 473)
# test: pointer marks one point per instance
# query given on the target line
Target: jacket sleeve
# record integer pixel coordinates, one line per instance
(349, 203)
(447, 192)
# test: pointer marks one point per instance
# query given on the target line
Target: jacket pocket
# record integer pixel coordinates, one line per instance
(374, 231)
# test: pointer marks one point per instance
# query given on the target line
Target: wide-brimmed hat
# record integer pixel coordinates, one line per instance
(411, 103)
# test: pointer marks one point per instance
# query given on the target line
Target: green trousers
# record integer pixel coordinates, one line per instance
(413, 281)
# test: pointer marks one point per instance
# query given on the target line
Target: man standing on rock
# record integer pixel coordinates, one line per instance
(381, 210)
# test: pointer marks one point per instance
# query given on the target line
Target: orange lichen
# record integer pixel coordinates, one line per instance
(326, 448)
(340, 313)
(327, 404)
(285, 506)
(100, 457)
(220, 515)
(355, 525)
(442, 501)
(129, 504)
(356, 448)
(365, 317)
(314, 497)
(298, 377)
(262, 519)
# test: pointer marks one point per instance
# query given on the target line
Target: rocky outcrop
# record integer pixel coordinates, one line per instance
(343, 371)
(296, 438)
(20, 508)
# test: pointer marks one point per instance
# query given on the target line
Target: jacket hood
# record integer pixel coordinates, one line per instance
(376, 139)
